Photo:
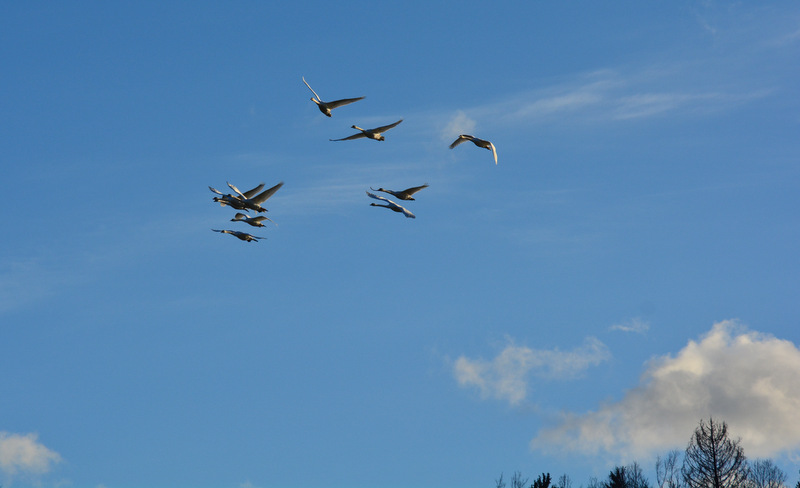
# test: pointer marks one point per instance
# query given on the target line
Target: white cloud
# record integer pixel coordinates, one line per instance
(562, 99)
(506, 376)
(651, 104)
(745, 378)
(23, 454)
(608, 95)
(635, 324)
(459, 124)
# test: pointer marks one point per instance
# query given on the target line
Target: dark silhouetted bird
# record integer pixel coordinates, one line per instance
(254, 202)
(240, 235)
(326, 107)
(226, 199)
(478, 142)
(254, 221)
(402, 195)
(370, 133)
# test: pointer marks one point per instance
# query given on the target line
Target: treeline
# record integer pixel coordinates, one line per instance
(711, 460)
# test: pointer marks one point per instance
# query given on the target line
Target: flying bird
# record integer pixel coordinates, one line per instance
(370, 133)
(226, 199)
(326, 107)
(254, 221)
(391, 205)
(478, 142)
(244, 236)
(251, 202)
(402, 195)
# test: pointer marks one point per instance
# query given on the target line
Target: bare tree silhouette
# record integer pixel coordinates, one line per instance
(713, 460)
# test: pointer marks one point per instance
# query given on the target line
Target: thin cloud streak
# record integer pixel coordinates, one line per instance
(612, 97)
(597, 97)
(506, 376)
(746, 378)
(608, 95)
(636, 325)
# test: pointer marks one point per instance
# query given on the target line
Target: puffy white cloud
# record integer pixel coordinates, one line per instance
(23, 454)
(745, 378)
(506, 376)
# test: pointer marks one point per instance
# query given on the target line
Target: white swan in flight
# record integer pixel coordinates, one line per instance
(478, 142)
(375, 134)
(254, 221)
(391, 205)
(402, 195)
(254, 202)
(326, 107)
(244, 236)
(226, 199)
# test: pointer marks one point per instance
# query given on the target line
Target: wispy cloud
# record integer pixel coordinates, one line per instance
(506, 376)
(28, 280)
(340, 187)
(746, 378)
(789, 38)
(635, 324)
(459, 124)
(23, 454)
(706, 82)
(610, 95)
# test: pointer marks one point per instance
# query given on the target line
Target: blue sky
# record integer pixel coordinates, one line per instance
(629, 267)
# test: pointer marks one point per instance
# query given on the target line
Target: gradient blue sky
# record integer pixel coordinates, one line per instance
(629, 267)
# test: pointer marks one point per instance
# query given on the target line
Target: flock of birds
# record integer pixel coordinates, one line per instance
(253, 200)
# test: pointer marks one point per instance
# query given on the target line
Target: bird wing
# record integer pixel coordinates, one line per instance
(461, 138)
(344, 101)
(386, 127)
(250, 193)
(216, 191)
(312, 90)
(415, 189)
(240, 216)
(260, 218)
(407, 212)
(350, 138)
(233, 187)
(494, 152)
(262, 197)
(245, 235)
(378, 197)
